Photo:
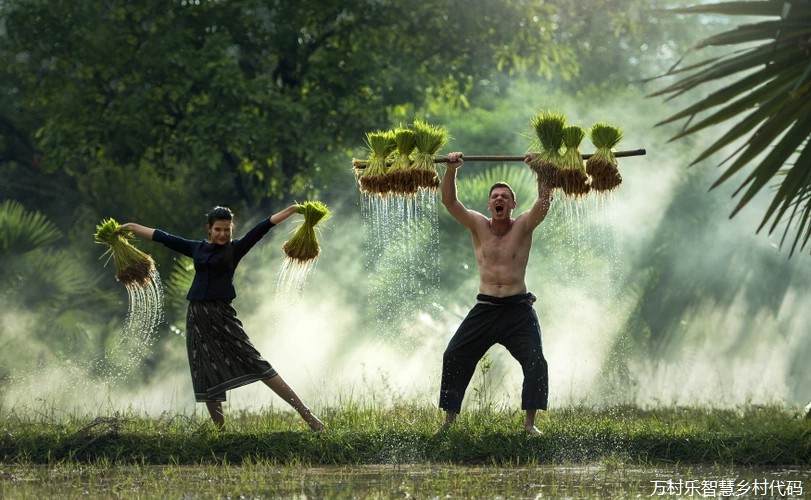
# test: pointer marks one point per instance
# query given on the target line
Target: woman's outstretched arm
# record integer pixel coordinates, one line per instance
(139, 230)
(280, 216)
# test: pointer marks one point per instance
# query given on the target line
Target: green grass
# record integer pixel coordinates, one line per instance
(360, 434)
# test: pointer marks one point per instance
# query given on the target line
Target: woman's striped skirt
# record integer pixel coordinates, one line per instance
(221, 356)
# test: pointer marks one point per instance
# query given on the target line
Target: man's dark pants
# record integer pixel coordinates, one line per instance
(513, 325)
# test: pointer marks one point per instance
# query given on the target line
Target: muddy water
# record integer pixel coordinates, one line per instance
(409, 481)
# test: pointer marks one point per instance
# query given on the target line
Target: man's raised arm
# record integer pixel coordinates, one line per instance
(537, 213)
(449, 198)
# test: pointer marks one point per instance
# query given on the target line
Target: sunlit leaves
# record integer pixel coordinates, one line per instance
(215, 86)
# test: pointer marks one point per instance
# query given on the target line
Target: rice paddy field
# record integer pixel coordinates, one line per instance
(369, 452)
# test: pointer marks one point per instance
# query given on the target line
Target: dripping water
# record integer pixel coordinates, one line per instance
(401, 240)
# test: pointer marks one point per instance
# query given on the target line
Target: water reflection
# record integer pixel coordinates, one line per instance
(604, 480)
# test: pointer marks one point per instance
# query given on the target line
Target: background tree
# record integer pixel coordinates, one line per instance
(239, 100)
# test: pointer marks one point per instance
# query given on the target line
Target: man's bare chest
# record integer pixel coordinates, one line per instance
(495, 248)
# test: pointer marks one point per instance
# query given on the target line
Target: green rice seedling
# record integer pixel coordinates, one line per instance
(381, 145)
(428, 140)
(548, 128)
(303, 245)
(399, 175)
(602, 165)
(132, 266)
(573, 175)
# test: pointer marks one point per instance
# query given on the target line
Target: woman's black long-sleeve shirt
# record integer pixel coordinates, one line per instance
(214, 265)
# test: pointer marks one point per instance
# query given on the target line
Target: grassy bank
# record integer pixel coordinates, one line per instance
(358, 435)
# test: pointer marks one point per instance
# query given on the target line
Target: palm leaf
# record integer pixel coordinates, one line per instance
(741, 129)
(753, 32)
(795, 186)
(765, 136)
(766, 91)
(473, 189)
(789, 188)
(762, 8)
(179, 282)
(801, 204)
(49, 279)
(783, 68)
(22, 231)
(725, 67)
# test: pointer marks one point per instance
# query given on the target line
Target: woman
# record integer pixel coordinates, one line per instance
(221, 356)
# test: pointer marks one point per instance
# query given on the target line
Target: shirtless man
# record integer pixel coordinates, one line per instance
(503, 312)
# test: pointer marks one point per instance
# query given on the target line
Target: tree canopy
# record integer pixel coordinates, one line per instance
(248, 101)
(242, 98)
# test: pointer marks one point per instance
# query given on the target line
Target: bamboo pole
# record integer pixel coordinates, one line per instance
(361, 164)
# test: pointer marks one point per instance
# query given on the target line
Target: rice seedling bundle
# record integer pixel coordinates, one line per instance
(428, 140)
(602, 165)
(373, 178)
(400, 178)
(548, 128)
(132, 266)
(303, 245)
(574, 180)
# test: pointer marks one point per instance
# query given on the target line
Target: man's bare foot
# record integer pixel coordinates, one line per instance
(532, 430)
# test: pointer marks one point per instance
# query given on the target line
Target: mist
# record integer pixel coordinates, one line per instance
(648, 296)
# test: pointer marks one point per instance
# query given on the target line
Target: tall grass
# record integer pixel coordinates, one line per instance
(363, 433)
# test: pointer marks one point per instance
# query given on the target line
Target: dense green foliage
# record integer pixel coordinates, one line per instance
(246, 100)
(249, 101)
(40, 279)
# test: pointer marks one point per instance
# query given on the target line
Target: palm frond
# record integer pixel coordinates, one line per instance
(741, 8)
(48, 278)
(755, 87)
(22, 231)
(179, 282)
(473, 189)
(749, 33)
(763, 138)
(723, 68)
(794, 191)
(766, 89)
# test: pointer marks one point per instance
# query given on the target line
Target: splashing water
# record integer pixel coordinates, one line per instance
(145, 308)
(294, 274)
(144, 315)
(401, 234)
(590, 298)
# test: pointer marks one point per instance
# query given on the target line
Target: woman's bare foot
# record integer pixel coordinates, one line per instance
(217, 416)
(316, 425)
(442, 428)
(450, 418)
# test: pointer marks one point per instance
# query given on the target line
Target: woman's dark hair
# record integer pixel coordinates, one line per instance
(219, 213)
